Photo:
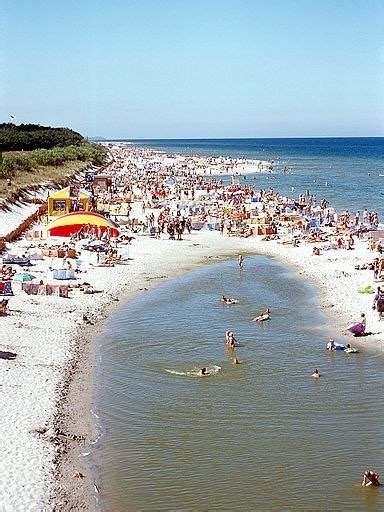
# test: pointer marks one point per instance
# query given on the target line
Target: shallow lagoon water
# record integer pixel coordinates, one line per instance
(258, 436)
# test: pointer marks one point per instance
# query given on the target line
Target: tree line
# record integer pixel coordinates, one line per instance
(29, 146)
(26, 137)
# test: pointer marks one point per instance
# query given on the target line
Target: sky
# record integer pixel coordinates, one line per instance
(194, 68)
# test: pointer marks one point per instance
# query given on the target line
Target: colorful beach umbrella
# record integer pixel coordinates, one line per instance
(23, 277)
(71, 223)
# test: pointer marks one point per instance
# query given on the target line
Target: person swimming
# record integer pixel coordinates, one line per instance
(350, 350)
(316, 374)
(236, 361)
(203, 372)
(331, 344)
(264, 316)
(228, 300)
(371, 478)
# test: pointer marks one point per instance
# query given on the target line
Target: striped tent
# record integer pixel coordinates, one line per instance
(75, 222)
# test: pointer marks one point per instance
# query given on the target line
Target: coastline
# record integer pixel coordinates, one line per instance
(54, 338)
(81, 493)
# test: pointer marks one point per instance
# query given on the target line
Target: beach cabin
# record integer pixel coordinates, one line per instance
(69, 199)
(102, 182)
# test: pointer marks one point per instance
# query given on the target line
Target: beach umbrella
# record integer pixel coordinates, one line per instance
(71, 223)
(23, 277)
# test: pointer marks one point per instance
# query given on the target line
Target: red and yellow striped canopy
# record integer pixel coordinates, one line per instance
(71, 223)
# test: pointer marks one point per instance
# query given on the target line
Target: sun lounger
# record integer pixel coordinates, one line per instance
(16, 260)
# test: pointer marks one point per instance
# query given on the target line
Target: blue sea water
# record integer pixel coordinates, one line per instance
(343, 170)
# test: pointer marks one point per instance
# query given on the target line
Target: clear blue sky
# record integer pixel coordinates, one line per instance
(198, 68)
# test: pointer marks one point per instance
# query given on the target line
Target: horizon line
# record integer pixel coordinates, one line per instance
(242, 138)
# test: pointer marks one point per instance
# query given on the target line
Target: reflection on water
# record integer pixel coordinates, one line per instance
(261, 435)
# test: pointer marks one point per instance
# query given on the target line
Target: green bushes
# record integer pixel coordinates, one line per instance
(13, 163)
(26, 137)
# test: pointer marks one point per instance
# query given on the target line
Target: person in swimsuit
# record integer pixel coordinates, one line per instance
(264, 316)
(230, 340)
(370, 478)
(316, 374)
(203, 372)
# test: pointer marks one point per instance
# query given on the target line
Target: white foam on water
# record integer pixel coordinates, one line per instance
(211, 370)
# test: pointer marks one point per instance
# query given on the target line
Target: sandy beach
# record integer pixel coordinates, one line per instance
(47, 389)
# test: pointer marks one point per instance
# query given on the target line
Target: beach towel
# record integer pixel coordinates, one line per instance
(6, 288)
(366, 289)
(356, 329)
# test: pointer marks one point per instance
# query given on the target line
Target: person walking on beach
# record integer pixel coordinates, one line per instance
(241, 261)
(378, 302)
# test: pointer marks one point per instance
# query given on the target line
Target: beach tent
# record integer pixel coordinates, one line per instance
(67, 200)
(86, 222)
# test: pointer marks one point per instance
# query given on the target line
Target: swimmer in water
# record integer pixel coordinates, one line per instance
(316, 374)
(264, 316)
(230, 339)
(236, 361)
(231, 344)
(228, 300)
(370, 478)
(241, 261)
(203, 372)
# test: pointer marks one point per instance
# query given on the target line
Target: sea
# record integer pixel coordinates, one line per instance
(261, 435)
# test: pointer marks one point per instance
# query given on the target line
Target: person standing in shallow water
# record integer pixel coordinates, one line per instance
(241, 261)
(371, 478)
